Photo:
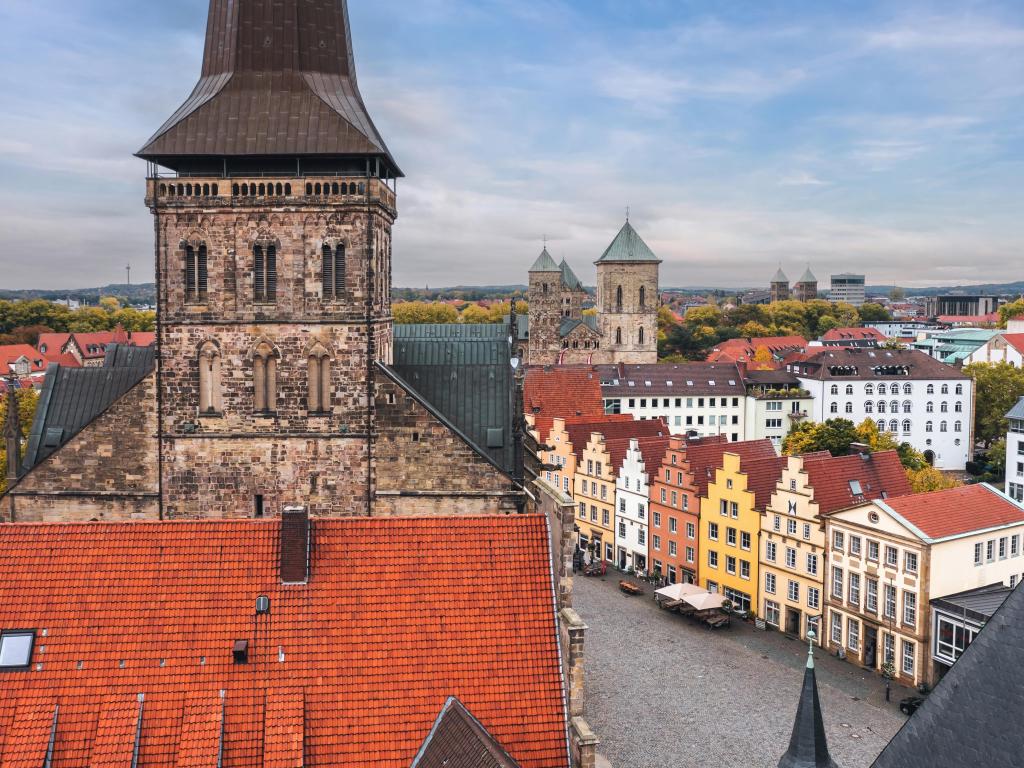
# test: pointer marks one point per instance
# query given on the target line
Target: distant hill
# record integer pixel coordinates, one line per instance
(143, 293)
(997, 289)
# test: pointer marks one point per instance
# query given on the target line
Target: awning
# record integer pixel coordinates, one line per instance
(705, 600)
(678, 591)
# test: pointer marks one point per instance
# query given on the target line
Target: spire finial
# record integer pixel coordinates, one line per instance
(545, 242)
(627, 214)
(811, 636)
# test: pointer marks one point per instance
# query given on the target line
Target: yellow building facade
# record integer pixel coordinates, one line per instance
(561, 457)
(729, 528)
(595, 498)
(793, 557)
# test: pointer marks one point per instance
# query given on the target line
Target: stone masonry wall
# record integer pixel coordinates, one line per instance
(631, 317)
(545, 314)
(106, 471)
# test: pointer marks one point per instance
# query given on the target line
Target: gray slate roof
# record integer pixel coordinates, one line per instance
(72, 398)
(545, 263)
(678, 380)
(780, 277)
(807, 277)
(569, 324)
(972, 718)
(628, 246)
(859, 364)
(808, 745)
(463, 372)
(1017, 412)
(974, 604)
(459, 740)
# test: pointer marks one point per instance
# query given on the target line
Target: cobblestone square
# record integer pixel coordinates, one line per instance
(662, 691)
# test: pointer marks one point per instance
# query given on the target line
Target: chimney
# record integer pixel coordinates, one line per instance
(862, 448)
(12, 432)
(295, 539)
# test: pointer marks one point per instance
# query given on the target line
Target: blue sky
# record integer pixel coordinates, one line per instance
(886, 138)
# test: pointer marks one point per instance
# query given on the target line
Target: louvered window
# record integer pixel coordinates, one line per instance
(334, 271)
(195, 273)
(265, 277)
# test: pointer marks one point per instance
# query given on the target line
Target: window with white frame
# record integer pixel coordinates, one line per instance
(837, 582)
(673, 548)
(790, 557)
(744, 569)
(730, 564)
(713, 531)
(890, 601)
(656, 541)
(813, 598)
(838, 540)
(812, 564)
(771, 613)
(910, 561)
(888, 649)
(855, 546)
(793, 591)
(16, 649)
(769, 582)
(854, 596)
(910, 608)
(908, 657)
(690, 552)
(952, 638)
(807, 531)
(837, 628)
(892, 557)
(744, 540)
(853, 634)
(791, 527)
(712, 559)
(691, 531)
(872, 550)
(769, 551)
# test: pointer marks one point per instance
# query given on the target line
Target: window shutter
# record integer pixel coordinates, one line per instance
(328, 266)
(339, 270)
(201, 279)
(259, 282)
(271, 273)
(190, 273)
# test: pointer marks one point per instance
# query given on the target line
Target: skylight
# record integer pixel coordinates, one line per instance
(16, 648)
(855, 488)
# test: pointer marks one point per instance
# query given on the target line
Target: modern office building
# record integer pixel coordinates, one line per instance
(847, 287)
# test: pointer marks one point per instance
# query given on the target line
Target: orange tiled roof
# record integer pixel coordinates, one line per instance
(561, 392)
(9, 353)
(956, 510)
(877, 474)
(612, 430)
(706, 456)
(1015, 340)
(851, 334)
(350, 669)
(743, 350)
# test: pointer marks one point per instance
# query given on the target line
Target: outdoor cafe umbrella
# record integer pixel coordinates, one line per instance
(705, 600)
(678, 591)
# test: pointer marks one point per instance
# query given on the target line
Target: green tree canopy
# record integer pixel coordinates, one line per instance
(873, 313)
(1009, 311)
(997, 386)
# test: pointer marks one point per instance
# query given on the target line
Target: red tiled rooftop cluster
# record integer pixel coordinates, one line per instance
(880, 475)
(561, 392)
(350, 669)
(956, 510)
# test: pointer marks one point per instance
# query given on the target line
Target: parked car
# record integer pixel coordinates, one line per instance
(909, 705)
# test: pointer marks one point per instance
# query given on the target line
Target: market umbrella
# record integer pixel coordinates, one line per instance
(678, 591)
(705, 600)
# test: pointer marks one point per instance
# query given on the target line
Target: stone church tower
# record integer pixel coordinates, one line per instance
(628, 299)
(544, 297)
(273, 241)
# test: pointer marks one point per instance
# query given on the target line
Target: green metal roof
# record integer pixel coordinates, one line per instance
(628, 246)
(545, 263)
(780, 277)
(569, 277)
(463, 371)
(808, 277)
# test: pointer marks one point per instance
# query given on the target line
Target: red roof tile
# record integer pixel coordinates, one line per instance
(10, 353)
(398, 615)
(879, 475)
(706, 456)
(652, 450)
(579, 434)
(743, 350)
(1015, 340)
(957, 510)
(762, 477)
(851, 334)
(561, 392)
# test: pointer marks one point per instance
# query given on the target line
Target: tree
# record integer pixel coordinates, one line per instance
(89, 320)
(873, 313)
(1009, 311)
(897, 294)
(930, 479)
(420, 312)
(834, 436)
(698, 316)
(474, 313)
(825, 324)
(134, 320)
(110, 304)
(754, 329)
(997, 386)
(27, 401)
(762, 359)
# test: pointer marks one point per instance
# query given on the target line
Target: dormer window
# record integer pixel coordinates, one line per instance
(16, 648)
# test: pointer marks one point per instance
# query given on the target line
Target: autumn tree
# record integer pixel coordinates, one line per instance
(930, 479)
(997, 387)
(27, 401)
(1009, 311)
(762, 359)
(474, 314)
(420, 312)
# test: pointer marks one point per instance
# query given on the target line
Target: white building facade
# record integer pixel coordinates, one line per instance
(632, 517)
(775, 403)
(907, 393)
(1015, 452)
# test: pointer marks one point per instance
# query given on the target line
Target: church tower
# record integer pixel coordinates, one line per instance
(627, 299)
(273, 196)
(779, 287)
(544, 296)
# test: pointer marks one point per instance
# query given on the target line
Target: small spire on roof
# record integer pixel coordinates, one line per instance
(808, 746)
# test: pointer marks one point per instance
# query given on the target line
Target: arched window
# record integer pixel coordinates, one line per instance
(210, 398)
(318, 365)
(163, 189)
(929, 407)
(263, 189)
(834, 390)
(264, 375)
(215, 190)
(907, 405)
(943, 427)
(869, 389)
(945, 389)
(640, 336)
(334, 271)
(849, 407)
(881, 389)
(907, 389)
(849, 389)
(894, 426)
(881, 406)
(930, 389)
(309, 188)
(959, 389)
(287, 189)
(618, 298)
(834, 408)
(206, 190)
(906, 426)
(928, 426)
(195, 273)
(235, 190)
(958, 407)
(618, 335)
(188, 190)
(544, 288)
(279, 190)
(894, 406)
(958, 426)
(643, 297)
(869, 407)
(881, 425)
(943, 407)
(317, 189)
(264, 273)
(334, 188)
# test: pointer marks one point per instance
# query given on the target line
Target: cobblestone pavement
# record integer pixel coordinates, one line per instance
(663, 692)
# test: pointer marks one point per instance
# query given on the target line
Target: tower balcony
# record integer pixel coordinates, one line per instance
(259, 191)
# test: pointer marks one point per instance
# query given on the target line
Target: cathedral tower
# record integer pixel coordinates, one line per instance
(545, 300)
(627, 299)
(273, 196)
(779, 287)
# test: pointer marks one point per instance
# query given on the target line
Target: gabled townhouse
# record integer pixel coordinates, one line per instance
(596, 475)
(558, 454)
(1002, 348)
(889, 558)
(674, 511)
(730, 522)
(638, 465)
(793, 555)
(912, 396)
(776, 402)
(1015, 451)
(745, 350)
(853, 337)
(89, 349)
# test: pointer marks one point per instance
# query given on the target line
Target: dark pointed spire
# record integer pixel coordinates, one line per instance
(12, 431)
(278, 80)
(808, 747)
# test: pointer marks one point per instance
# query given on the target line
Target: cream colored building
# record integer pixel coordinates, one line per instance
(595, 498)
(888, 559)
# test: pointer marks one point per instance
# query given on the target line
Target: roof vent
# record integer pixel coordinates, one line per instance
(240, 651)
(294, 554)
(262, 604)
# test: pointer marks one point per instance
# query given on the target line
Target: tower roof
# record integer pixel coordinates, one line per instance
(628, 246)
(780, 277)
(807, 277)
(569, 277)
(278, 79)
(545, 263)
(808, 746)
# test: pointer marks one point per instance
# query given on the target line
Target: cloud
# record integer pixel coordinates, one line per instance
(934, 33)
(802, 179)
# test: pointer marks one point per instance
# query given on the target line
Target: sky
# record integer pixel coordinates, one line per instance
(877, 137)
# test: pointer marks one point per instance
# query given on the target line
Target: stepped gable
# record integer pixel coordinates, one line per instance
(763, 476)
(158, 642)
(618, 430)
(706, 456)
